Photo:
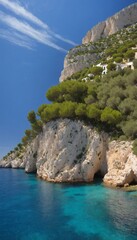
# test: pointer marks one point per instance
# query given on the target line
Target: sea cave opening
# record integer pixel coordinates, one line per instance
(98, 176)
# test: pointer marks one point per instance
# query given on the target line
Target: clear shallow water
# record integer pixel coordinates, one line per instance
(31, 209)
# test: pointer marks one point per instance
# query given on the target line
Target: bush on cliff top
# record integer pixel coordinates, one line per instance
(110, 104)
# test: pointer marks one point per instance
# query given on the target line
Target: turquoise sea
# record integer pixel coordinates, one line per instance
(32, 209)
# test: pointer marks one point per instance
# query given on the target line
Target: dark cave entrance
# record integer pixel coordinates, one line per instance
(98, 176)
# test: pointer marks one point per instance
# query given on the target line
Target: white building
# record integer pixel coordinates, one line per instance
(90, 75)
(104, 66)
(124, 65)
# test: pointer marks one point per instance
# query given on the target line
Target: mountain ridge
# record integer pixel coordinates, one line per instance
(127, 16)
(85, 55)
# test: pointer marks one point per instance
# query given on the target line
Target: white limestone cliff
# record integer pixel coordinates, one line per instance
(30, 156)
(66, 151)
(77, 59)
(122, 164)
(70, 151)
(125, 17)
(90, 52)
(12, 161)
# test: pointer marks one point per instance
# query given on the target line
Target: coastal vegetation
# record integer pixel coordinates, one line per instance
(109, 104)
(118, 47)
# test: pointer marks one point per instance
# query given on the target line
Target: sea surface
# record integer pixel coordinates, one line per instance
(32, 209)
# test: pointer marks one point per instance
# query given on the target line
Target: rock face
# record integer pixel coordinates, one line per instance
(30, 156)
(91, 51)
(125, 17)
(13, 161)
(79, 58)
(66, 151)
(70, 151)
(122, 164)
(17, 163)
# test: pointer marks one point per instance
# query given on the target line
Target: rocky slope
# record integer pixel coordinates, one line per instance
(79, 58)
(95, 43)
(125, 17)
(70, 151)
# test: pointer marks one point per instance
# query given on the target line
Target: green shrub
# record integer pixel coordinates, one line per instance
(130, 128)
(32, 117)
(50, 112)
(109, 52)
(117, 55)
(130, 54)
(67, 110)
(122, 49)
(96, 70)
(41, 109)
(135, 63)
(111, 116)
(111, 66)
(122, 138)
(74, 91)
(28, 133)
(36, 127)
(135, 147)
(93, 112)
(80, 110)
(25, 140)
(118, 59)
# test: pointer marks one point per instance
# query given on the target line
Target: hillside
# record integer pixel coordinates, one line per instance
(119, 47)
(90, 126)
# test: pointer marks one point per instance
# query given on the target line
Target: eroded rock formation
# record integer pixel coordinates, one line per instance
(66, 151)
(70, 151)
(122, 164)
(79, 58)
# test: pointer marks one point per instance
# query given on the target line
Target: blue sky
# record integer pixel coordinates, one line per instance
(34, 38)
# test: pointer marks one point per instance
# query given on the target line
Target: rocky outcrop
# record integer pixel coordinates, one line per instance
(66, 151)
(25, 159)
(30, 156)
(12, 161)
(79, 58)
(93, 45)
(17, 163)
(70, 151)
(5, 163)
(122, 164)
(125, 17)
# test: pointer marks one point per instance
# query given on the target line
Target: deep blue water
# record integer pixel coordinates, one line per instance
(32, 209)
